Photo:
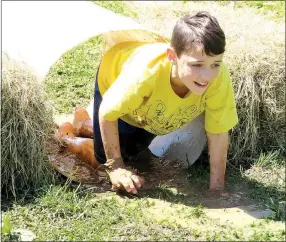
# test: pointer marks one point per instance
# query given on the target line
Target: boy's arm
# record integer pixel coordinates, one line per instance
(126, 94)
(218, 147)
(110, 138)
(119, 176)
(220, 117)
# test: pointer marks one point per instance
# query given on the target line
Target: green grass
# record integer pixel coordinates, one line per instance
(70, 82)
(73, 212)
(271, 160)
(119, 7)
(276, 9)
(77, 212)
(267, 182)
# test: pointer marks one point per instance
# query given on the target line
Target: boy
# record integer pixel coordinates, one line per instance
(143, 90)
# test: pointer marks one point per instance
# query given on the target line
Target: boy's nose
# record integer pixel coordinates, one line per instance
(207, 75)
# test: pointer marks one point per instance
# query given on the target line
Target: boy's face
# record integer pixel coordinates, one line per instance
(195, 70)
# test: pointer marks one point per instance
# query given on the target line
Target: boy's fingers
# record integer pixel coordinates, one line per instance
(115, 181)
(114, 188)
(141, 179)
(122, 178)
(137, 181)
(128, 184)
(132, 187)
(116, 184)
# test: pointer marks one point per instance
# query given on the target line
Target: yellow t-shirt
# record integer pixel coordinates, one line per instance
(134, 80)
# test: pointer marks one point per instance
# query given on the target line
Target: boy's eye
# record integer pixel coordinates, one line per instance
(197, 65)
(216, 65)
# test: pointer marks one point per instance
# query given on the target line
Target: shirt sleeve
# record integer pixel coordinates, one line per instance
(220, 112)
(127, 92)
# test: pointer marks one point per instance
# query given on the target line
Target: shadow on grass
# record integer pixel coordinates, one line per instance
(169, 182)
(189, 186)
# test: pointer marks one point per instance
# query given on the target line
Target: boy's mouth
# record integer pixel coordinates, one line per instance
(201, 84)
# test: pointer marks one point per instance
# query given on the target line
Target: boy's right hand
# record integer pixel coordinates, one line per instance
(122, 177)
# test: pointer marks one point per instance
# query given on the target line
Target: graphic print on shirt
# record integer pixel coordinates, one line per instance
(161, 124)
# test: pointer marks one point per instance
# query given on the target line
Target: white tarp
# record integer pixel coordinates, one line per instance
(39, 32)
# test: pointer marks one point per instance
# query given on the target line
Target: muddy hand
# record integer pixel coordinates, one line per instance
(125, 179)
(122, 177)
(219, 193)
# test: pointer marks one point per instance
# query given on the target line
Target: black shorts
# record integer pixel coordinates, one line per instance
(132, 139)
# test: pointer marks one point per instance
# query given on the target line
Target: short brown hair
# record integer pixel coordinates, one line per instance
(195, 29)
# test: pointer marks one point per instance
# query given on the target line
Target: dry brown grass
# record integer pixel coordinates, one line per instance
(26, 126)
(255, 54)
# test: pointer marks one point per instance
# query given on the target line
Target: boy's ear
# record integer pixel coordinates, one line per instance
(171, 54)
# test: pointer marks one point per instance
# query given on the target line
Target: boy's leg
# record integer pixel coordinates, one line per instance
(82, 123)
(185, 144)
(126, 138)
(81, 147)
(141, 140)
(138, 151)
(97, 141)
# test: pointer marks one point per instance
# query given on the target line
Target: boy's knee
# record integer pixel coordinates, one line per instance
(80, 115)
(81, 112)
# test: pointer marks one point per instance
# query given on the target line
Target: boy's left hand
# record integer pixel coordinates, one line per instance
(221, 192)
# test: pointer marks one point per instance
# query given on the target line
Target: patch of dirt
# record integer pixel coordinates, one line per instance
(71, 167)
(171, 175)
(165, 175)
(167, 185)
(166, 181)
